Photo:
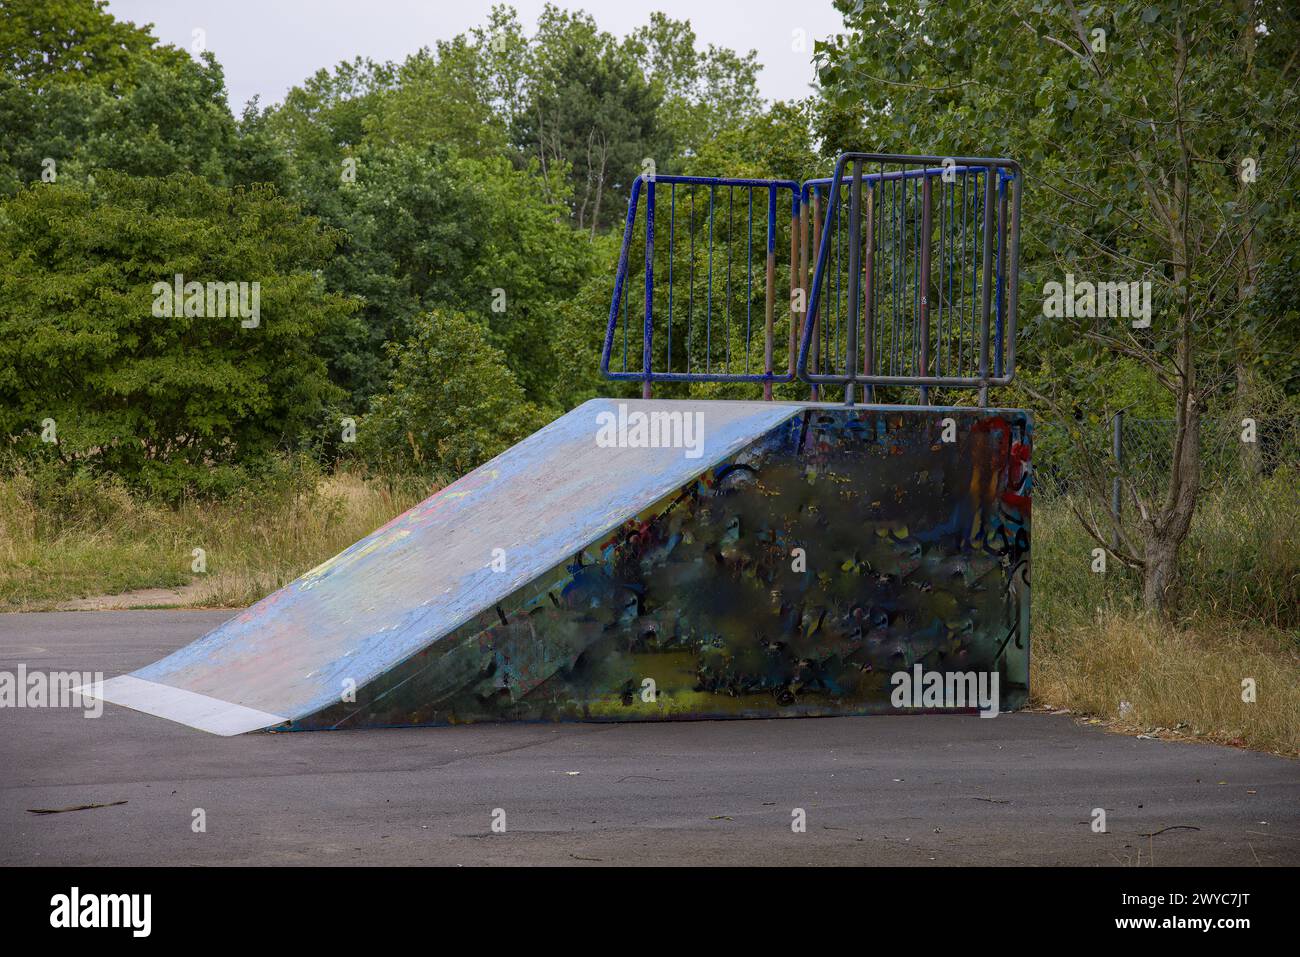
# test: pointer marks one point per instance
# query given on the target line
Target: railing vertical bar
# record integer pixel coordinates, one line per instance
(839, 284)
(708, 322)
(926, 213)
(974, 266)
(672, 222)
(690, 296)
(868, 297)
(855, 279)
(986, 289)
(814, 393)
(916, 277)
(749, 278)
(731, 235)
(770, 323)
(796, 276)
(647, 354)
(1002, 271)
(959, 267)
(938, 305)
(896, 268)
(626, 324)
(1013, 275)
(945, 293)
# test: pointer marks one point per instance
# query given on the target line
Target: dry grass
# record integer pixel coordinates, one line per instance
(100, 541)
(1095, 653)
(1144, 675)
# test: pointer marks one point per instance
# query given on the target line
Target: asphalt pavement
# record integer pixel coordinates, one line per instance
(908, 790)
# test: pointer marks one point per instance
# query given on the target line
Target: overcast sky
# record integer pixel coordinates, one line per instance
(267, 46)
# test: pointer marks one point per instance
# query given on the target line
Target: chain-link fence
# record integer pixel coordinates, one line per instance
(1140, 451)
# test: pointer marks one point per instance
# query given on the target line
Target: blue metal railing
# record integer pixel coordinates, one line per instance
(907, 291)
(918, 289)
(710, 346)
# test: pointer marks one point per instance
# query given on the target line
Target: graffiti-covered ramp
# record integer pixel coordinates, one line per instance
(395, 593)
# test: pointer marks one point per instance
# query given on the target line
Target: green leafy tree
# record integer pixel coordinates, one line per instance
(1133, 122)
(456, 78)
(451, 404)
(428, 229)
(704, 93)
(172, 119)
(91, 375)
(590, 109)
(321, 125)
(44, 43)
(83, 91)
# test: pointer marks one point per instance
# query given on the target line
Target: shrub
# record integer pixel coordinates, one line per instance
(451, 404)
(175, 403)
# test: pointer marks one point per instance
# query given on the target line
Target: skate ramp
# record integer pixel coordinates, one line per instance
(396, 593)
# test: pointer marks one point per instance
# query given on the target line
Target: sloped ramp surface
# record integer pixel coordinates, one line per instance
(394, 593)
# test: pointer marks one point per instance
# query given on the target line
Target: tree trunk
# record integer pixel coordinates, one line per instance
(1167, 531)
(1159, 575)
(600, 182)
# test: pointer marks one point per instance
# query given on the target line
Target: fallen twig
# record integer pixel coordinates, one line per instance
(1171, 827)
(75, 807)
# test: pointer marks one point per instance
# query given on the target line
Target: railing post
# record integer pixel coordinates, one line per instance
(796, 276)
(855, 255)
(925, 284)
(986, 285)
(1013, 277)
(814, 352)
(648, 344)
(1002, 273)
(798, 267)
(769, 318)
(868, 297)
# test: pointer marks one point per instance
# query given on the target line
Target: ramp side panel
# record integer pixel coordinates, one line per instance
(792, 579)
(431, 569)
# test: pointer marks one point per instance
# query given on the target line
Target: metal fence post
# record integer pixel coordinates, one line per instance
(925, 285)
(986, 284)
(648, 340)
(814, 393)
(796, 281)
(855, 252)
(770, 303)
(869, 297)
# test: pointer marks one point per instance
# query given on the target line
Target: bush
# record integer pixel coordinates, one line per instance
(176, 403)
(451, 404)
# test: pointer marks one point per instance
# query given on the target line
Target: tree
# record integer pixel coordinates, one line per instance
(704, 93)
(44, 43)
(451, 403)
(172, 119)
(83, 91)
(591, 109)
(1134, 124)
(457, 80)
(427, 229)
(96, 372)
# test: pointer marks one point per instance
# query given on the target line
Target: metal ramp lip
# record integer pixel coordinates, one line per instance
(224, 718)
